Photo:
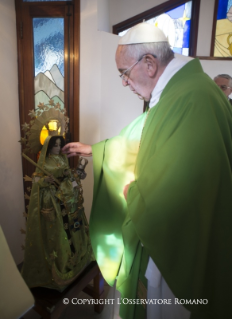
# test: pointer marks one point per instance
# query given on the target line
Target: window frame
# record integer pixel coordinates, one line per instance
(212, 57)
(157, 10)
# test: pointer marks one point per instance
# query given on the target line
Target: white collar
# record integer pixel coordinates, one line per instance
(172, 68)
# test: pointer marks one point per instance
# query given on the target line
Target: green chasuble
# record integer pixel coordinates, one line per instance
(180, 203)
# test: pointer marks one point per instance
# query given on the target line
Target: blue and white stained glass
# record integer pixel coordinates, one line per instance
(176, 25)
(223, 33)
(48, 34)
(48, 44)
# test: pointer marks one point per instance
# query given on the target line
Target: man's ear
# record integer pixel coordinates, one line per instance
(152, 65)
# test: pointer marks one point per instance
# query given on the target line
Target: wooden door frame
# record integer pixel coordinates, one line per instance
(26, 62)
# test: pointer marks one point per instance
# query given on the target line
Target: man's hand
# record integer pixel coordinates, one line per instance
(77, 149)
(125, 189)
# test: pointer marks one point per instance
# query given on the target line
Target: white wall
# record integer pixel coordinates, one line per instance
(205, 27)
(103, 15)
(214, 67)
(121, 10)
(90, 86)
(11, 179)
(119, 106)
(105, 105)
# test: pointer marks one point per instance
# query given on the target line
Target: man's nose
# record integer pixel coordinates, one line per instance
(125, 82)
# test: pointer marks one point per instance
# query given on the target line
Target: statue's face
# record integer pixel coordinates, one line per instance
(56, 148)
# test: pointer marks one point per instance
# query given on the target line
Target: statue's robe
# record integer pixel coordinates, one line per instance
(180, 203)
(57, 246)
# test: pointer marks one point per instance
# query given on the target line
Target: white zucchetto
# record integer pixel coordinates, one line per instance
(143, 33)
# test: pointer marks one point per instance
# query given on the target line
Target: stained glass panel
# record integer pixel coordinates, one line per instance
(223, 33)
(48, 34)
(176, 25)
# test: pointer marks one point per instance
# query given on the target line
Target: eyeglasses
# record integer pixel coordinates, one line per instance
(224, 87)
(125, 76)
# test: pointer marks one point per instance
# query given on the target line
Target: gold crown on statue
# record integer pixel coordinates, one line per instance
(46, 120)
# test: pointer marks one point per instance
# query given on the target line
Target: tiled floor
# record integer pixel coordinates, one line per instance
(85, 311)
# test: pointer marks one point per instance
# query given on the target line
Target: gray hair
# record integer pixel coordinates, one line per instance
(225, 76)
(162, 51)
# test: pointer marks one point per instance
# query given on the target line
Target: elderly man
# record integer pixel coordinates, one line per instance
(224, 81)
(168, 240)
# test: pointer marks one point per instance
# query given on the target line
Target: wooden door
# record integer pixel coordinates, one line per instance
(28, 16)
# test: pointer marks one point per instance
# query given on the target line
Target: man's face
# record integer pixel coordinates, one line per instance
(224, 85)
(136, 78)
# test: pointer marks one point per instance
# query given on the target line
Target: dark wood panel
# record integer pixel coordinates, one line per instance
(47, 11)
(194, 28)
(214, 58)
(49, 302)
(69, 71)
(23, 112)
(28, 83)
(214, 28)
(19, 32)
(76, 75)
